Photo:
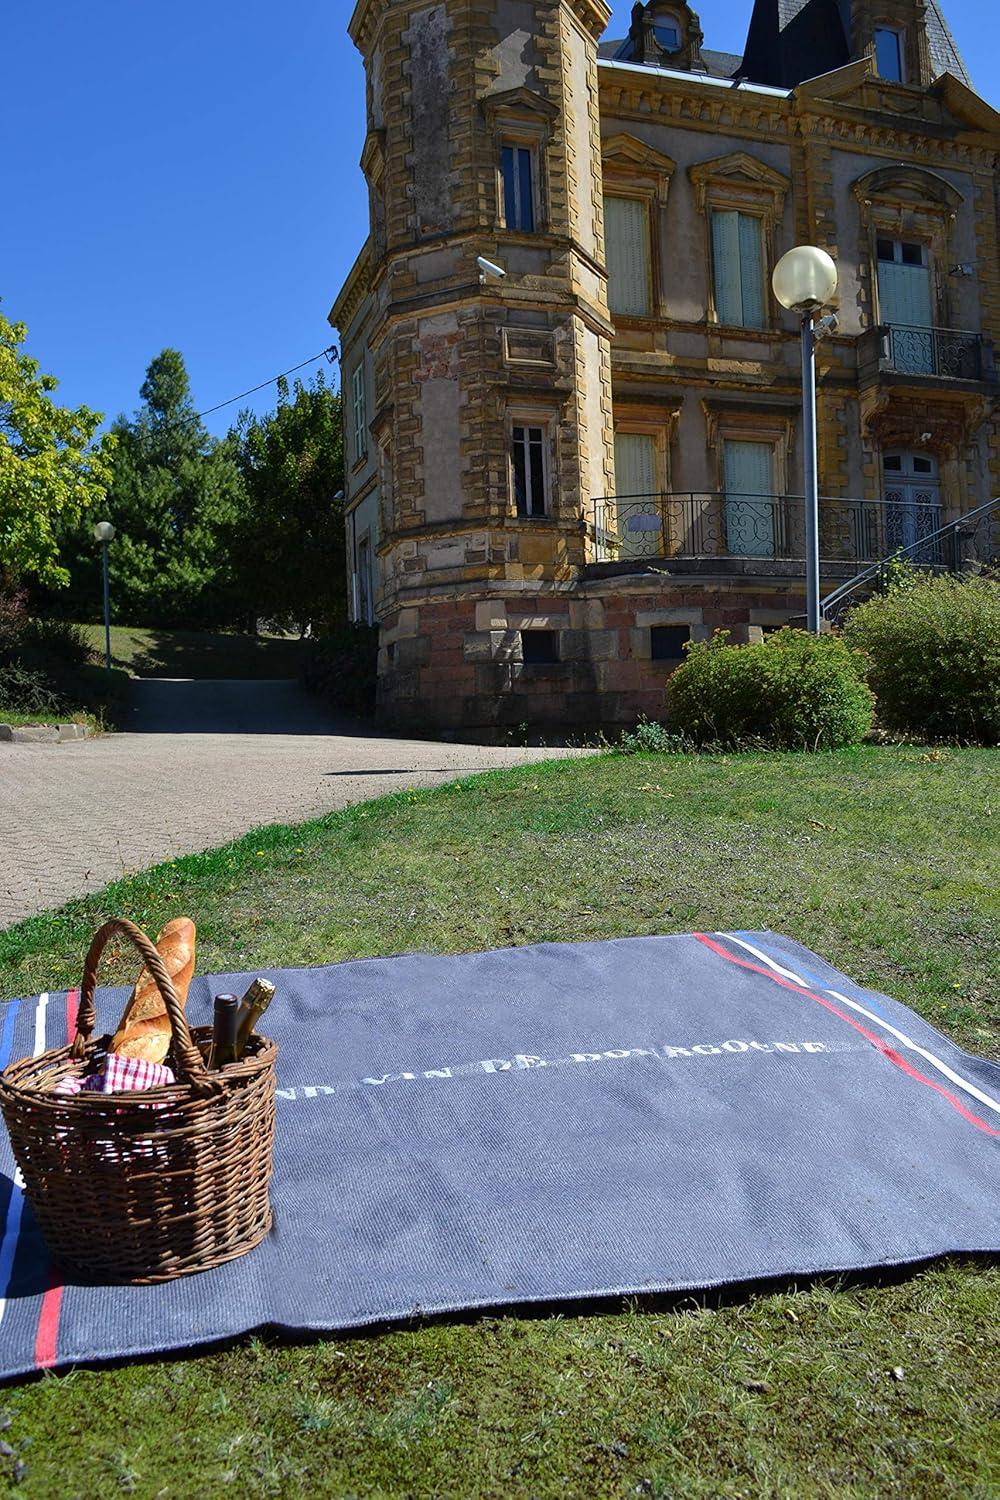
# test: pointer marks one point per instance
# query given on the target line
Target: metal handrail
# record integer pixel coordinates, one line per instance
(875, 568)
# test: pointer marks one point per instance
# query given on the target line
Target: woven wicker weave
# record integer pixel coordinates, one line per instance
(146, 1186)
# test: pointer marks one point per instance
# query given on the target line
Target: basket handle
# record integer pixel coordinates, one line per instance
(190, 1065)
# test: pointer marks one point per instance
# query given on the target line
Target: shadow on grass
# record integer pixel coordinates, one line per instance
(277, 1336)
(212, 655)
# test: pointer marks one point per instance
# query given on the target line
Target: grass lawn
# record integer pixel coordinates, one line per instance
(882, 859)
(197, 653)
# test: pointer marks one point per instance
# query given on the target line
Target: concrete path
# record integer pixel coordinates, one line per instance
(206, 762)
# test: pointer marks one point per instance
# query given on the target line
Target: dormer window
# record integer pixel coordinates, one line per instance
(668, 34)
(890, 54)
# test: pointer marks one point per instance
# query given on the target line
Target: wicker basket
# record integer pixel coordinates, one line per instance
(147, 1186)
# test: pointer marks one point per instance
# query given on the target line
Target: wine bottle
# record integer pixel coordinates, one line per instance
(253, 1005)
(224, 1031)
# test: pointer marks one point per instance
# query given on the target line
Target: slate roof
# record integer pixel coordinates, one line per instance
(792, 40)
(719, 64)
(945, 56)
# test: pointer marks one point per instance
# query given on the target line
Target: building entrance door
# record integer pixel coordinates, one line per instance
(906, 304)
(749, 472)
(913, 504)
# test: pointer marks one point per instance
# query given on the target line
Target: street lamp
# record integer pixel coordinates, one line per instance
(104, 533)
(804, 281)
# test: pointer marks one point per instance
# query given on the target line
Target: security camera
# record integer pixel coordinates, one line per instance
(925, 437)
(488, 271)
(826, 325)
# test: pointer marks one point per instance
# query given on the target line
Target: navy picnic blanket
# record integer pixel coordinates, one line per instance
(555, 1122)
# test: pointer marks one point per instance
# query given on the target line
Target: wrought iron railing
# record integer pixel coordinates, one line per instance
(764, 527)
(947, 353)
(972, 542)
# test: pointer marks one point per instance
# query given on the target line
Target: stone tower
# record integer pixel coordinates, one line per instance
(491, 398)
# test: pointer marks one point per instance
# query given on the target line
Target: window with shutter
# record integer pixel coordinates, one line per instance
(738, 269)
(626, 224)
(360, 414)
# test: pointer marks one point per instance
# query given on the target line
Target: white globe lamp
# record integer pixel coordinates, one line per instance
(805, 279)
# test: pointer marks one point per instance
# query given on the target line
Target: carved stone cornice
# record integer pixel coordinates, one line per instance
(354, 291)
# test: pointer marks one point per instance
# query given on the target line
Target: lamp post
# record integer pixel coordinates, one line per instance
(804, 281)
(104, 533)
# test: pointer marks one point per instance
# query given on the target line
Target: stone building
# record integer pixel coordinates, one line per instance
(557, 478)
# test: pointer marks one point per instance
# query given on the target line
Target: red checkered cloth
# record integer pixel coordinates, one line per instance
(121, 1075)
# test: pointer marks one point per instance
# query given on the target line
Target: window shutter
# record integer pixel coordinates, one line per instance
(635, 465)
(626, 222)
(749, 467)
(726, 264)
(752, 272)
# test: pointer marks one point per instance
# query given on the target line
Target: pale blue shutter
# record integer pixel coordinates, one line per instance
(639, 517)
(738, 261)
(635, 464)
(726, 266)
(905, 294)
(626, 226)
(749, 471)
(752, 271)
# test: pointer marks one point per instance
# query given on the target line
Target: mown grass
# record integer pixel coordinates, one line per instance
(882, 859)
(149, 652)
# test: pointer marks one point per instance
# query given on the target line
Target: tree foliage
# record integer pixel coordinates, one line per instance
(290, 554)
(51, 469)
(176, 500)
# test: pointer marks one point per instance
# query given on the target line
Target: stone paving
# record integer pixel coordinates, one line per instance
(75, 816)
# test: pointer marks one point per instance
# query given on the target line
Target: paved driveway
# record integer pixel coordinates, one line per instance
(203, 763)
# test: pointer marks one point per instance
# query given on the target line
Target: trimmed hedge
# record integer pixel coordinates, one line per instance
(791, 691)
(933, 647)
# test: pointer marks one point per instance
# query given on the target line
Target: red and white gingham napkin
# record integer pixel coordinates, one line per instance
(121, 1075)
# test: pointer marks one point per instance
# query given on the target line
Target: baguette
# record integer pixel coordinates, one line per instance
(144, 1029)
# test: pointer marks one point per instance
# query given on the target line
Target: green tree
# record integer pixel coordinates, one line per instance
(290, 544)
(175, 499)
(51, 470)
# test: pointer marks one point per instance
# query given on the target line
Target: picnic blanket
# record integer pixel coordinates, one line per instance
(546, 1123)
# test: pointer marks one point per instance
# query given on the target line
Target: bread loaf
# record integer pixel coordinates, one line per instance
(144, 1030)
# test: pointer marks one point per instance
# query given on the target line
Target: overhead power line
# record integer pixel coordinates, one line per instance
(330, 353)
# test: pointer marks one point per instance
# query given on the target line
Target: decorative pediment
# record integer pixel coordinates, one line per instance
(965, 105)
(910, 187)
(842, 83)
(519, 102)
(628, 152)
(738, 173)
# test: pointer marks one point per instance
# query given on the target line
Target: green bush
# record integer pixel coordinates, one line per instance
(25, 690)
(649, 737)
(933, 645)
(59, 641)
(791, 691)
(342, 667)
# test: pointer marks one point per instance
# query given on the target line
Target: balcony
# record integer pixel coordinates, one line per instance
(930, 354)
(695, 532)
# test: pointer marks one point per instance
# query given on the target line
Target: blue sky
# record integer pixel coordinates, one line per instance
(186, 174)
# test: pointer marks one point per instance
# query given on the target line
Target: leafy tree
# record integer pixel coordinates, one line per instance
(290, 546)
(175, 499)
(51, 470)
